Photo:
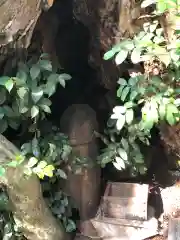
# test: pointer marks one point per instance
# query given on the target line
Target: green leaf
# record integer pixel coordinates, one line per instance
(9, 85)
(121, 56)
(35, 147)
(35, 71)
(48, 170)
(1, 112)
(174, 56)
(2, 171)
(45, 65)
(70, 226)
(123, 154)
(136, 55)
(108, 55)
(133, 81)
(21, 78)
(32, 162)
(158, 40)
(170, 118)
(61, 173)
(119, 91)
(8, 111)
(120, 122)
(4, 80)
(122, 82)
(13, 164)
(45, 101)
(50, 89)
(129, 104)
(172, 108)
(34, 111)
(161, 6)
(22, 91)
(36, 95)
(148, 124)
(125, 93)
(162, 111)
(3, 125)
(129, 116)
(125, 144)
(133, 95)
(13, 124)
(2, 95)
(65, 76)
(62, 82)
(26, 148)
(146, 3)
(45, 108)
(42, 165)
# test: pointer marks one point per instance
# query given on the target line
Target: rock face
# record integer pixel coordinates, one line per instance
(29, 209)
(17, 21)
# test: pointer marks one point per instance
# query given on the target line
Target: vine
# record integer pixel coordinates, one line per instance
(155, 90)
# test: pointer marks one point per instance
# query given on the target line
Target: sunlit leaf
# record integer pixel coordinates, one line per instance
(121, 56)
(146, 3)
(172, 108)
(136, 55)
(45, 108)
(36, 95)
(170, 118)
(32, 162)
(125, 93)
(119, 164)
(48, 170)
(42, 165)
(122, 153)
(9, 85)
(120, 122)
(129, 116)
(119, 109)
(153, 26)
(162, 111)
(22, 91)
(34, 111)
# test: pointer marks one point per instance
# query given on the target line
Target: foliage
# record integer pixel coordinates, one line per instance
(25, 103)
(155, 90)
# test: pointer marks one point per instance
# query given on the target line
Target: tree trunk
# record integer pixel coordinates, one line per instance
(29, 209)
